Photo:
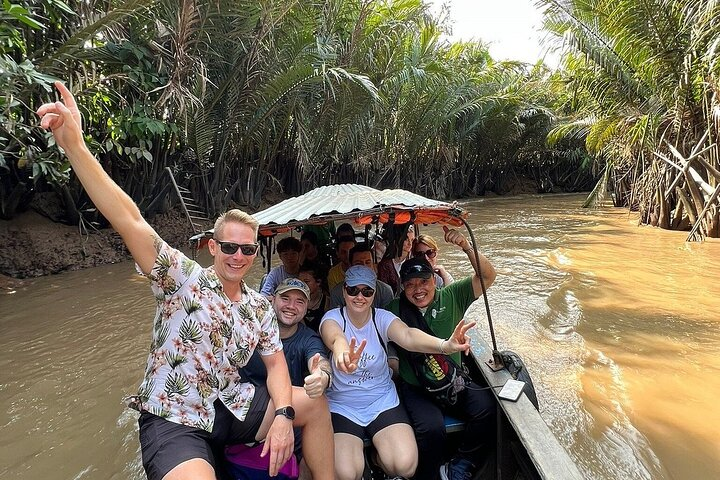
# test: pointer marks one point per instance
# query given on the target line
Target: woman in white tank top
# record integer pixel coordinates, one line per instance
(362, 399)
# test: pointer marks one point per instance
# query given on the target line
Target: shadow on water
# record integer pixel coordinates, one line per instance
(617, 324)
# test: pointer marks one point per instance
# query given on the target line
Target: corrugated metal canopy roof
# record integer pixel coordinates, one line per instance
(358, 203)
(320, 201)
(355, 202)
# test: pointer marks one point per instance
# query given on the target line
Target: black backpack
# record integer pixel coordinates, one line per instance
(439, 375)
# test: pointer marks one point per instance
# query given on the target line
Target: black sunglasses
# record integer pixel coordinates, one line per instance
(428, 253)
(230, 248)
(367, 292)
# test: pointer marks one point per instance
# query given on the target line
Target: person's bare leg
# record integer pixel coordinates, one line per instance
(304, 473)
(195, 469)
(349, 457)
(397, 450)
(313, 416)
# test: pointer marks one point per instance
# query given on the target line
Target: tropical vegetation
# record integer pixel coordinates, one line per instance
(237, 98)
(641, 84)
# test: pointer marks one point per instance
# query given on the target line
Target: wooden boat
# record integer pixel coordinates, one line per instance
(526, 448)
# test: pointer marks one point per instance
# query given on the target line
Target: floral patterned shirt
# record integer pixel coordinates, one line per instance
(199, 340)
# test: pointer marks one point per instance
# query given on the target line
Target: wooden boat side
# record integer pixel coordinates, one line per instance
(523, 436)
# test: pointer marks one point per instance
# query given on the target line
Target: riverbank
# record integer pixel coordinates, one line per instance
(33, 245)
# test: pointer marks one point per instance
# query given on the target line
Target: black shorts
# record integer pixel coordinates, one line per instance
(165, 444)
(343, 424)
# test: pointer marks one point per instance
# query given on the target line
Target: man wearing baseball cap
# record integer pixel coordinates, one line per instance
(442, 309)
(304, 351)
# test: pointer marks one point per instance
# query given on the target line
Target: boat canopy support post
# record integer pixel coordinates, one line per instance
(495, 363)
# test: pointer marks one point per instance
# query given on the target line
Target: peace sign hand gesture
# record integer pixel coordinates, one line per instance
(347, 361)
(459, 341)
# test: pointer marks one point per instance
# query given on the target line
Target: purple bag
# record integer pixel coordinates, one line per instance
(245, 463)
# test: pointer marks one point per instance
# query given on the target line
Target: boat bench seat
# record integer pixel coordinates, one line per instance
(452, 425)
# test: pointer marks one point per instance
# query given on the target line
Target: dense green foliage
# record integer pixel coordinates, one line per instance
(238, 97)
(641, 90)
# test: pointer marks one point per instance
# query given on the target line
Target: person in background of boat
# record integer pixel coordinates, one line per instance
(442, 309)
(426, 246)
(399, 250)
(311, 251)
(361, 254)
(345, 230)
(319, 303)
(379, 247)
(306, 358)
(324, 235)
(364, 402)
(336, 275)
(288, 250)
(207, 322)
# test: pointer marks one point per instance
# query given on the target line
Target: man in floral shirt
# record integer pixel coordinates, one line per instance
(207, 325)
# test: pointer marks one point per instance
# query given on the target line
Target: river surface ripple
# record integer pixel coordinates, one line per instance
(618, 325)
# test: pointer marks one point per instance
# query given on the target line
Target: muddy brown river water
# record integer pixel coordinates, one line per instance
(617, 323)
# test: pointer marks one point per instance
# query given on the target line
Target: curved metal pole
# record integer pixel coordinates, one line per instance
(496, 362)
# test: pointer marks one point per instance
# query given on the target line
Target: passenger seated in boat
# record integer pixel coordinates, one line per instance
(191, 399)
(345, 230)
(307, 362)
(443, 309)
(361, 254)
(427, 246)
(363, 400)
(288, 249)
(319, 302)
(311, 250)
(336, 275)
(399, 250)
(379, 246)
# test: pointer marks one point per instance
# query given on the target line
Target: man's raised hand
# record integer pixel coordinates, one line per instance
(63, 119)
(315, 382)
(454, 237)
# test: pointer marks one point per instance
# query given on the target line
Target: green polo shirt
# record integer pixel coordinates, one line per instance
(442, 315)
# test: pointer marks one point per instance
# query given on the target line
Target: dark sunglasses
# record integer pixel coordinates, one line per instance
(428, 253)
(230, 248)
(367, 292)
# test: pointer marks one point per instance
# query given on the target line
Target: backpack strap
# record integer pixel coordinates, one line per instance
(343, 317)
(382, 342)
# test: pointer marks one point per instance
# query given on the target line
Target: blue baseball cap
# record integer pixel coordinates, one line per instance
(360, 275)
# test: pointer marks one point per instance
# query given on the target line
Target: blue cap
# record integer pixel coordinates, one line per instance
(360, 275)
